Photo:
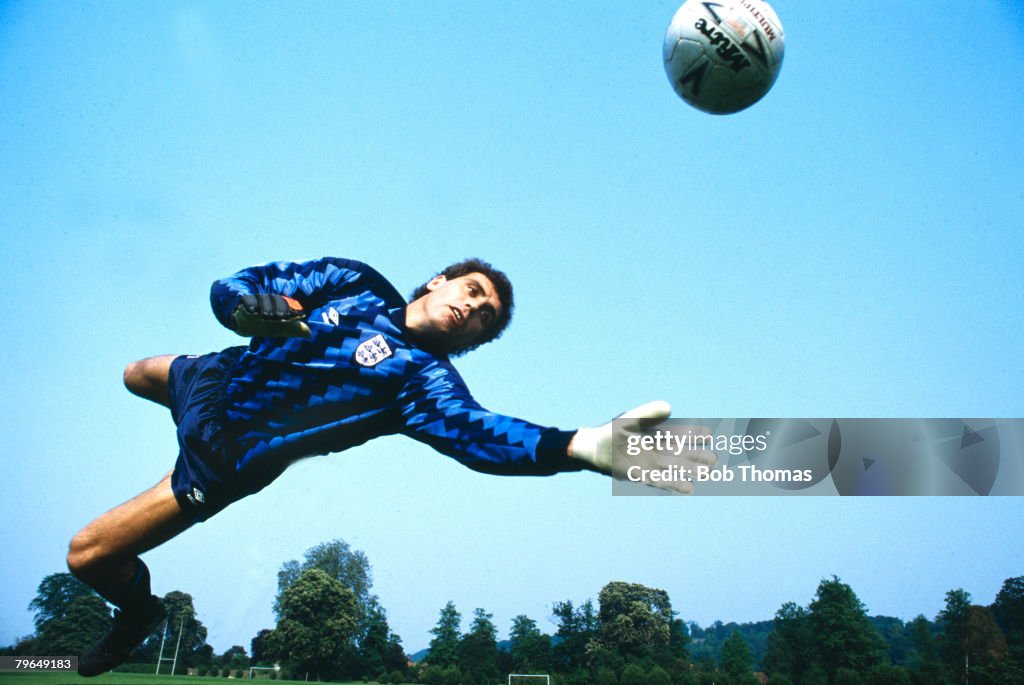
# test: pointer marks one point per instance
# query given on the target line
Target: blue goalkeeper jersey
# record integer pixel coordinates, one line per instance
(359, 376)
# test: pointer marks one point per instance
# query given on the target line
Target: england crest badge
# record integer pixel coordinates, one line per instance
(373, 351)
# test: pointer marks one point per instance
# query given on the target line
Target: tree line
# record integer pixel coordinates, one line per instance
(634, 637)
(331, 627)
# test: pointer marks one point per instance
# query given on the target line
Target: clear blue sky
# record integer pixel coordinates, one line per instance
(850, 246)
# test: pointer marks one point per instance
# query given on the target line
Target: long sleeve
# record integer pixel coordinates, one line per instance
(438, 410)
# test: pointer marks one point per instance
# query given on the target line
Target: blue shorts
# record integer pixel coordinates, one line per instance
(203, 480)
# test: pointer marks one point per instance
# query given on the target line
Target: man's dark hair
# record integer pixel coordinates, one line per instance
(502, 286)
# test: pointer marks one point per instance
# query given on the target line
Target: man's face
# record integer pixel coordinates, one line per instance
(455, 312)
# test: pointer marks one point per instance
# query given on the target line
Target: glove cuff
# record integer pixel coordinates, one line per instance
(235, 319)
(553, 452)
(593, 446)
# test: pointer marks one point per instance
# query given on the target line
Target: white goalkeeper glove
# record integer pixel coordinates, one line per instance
(594, 446)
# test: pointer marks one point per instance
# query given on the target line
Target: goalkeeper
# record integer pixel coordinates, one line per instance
(337, 358)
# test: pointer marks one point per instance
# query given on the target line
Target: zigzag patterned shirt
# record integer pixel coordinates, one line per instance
(359, 376)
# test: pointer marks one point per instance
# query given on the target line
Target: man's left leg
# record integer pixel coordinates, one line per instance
(148, 378)
(105, 555)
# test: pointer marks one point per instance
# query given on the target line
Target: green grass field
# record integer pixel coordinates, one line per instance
(127, 679)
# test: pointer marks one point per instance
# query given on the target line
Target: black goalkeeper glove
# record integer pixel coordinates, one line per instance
(270, 315)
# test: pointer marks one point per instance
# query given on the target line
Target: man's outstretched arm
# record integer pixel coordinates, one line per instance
(439, 411)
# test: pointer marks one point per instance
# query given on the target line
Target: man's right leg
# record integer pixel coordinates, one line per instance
(105, 555)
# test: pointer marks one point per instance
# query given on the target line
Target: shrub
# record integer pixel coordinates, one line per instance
(848, 676)
(658, 676)
(632, 674)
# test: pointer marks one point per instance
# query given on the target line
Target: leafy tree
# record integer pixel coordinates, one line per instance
(926, 663)
(84, 621)
(659, 676)
(69, 617)
(380, 650)
(633, 674)
(258, 647)
(577, 626)
(678, 639)
(601, 656)
(682, 672)
(606, 676)
(842, 635)
(181, 619)
(952, 622)
(704, 645)
(781, 679)
(24, 646)
(896, 636)
(983, 640)
(54, 596)
(444, 647)
(1002, 672)
(316, 627)
(1008, 610)
(478, 650)
(529, 648)
(970, 637)
(790, 650)
(351, 568)
(736, 657)
(887, 674)
(634, 619)
(442, 675)
(712, 676)
(338, 560)
(577, 676)
(815, 675)
(848, 676)
(234, 658)
(286, 577)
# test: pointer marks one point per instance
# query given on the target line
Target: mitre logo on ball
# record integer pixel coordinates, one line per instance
(722, 57)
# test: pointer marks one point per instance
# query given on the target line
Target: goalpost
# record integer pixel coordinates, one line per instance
(160, 659)
(276, 668)
(545, 676)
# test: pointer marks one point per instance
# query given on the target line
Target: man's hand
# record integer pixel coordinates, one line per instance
(270, 315)
(595, 447)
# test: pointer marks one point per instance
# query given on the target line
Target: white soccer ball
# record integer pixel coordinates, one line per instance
(723, 56)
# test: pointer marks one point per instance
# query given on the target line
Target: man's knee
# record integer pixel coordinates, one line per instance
(84, 556)
(148, 378)
(139, 376)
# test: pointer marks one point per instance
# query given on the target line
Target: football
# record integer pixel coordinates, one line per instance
(722, 57)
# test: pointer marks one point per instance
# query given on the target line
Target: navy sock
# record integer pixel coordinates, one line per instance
(134, 594)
